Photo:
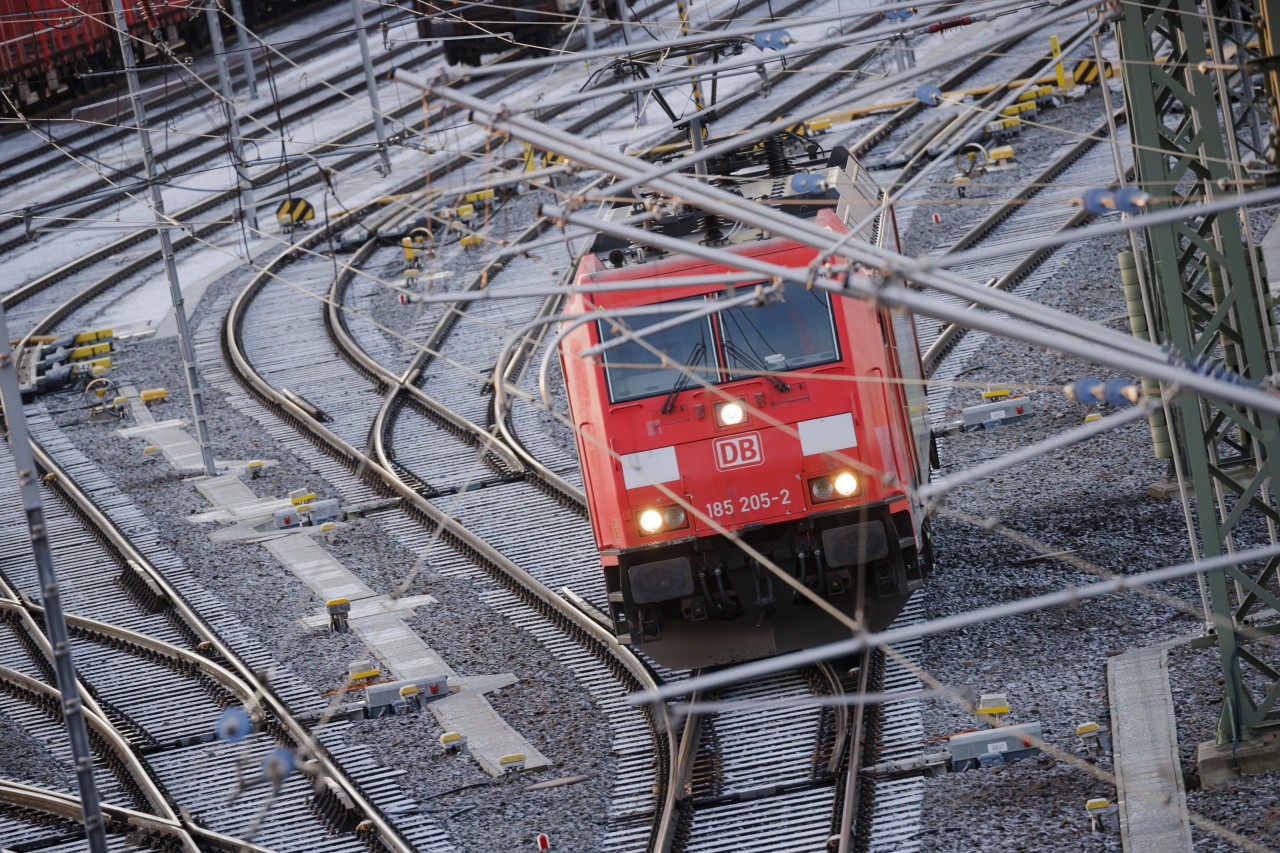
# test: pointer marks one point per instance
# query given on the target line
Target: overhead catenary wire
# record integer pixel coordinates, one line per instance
(1128, 354)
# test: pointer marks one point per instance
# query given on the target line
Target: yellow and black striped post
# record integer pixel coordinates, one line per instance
(684, 31)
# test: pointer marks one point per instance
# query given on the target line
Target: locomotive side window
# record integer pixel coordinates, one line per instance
(796, 332)
(631, 369)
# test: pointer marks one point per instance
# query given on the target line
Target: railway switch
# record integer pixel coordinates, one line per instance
(988, 748)
(390, 699)
(1103, 816)
(1096, 738)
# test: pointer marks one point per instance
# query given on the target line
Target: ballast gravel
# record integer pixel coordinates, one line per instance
(995, 539)
(991, 538)
(547, 705)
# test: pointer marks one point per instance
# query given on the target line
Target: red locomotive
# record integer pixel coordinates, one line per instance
(815, 420)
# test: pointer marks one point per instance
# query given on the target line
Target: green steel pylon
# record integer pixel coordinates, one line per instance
(1207, 300)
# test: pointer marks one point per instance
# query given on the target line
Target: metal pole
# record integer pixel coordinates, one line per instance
(54, 621)
(371, 85)
(622, 20)
(166, 245)
(242, 44)
(233, 117)
(584, 15)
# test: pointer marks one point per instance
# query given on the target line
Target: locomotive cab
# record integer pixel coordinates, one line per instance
(729, 435)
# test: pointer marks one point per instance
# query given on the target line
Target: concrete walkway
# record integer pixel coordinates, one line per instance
(1153, 802)
(379, 620)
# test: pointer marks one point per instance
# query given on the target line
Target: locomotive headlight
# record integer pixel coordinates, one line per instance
(821, 488)
(650, 521)
(730, 414)
(846, 484)
(657, 519)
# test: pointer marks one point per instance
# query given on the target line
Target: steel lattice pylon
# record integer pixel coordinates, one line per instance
(1206, 300)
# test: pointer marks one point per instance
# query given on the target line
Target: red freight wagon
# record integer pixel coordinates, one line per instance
(46, 44)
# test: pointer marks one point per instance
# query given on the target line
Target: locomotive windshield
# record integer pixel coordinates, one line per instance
(785, 335)
(634, 371)
(750, 340)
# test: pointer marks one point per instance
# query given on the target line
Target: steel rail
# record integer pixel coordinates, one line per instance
(394, 385)
(92, 628)
(314, 47)
(390, 482)
(952, 332)
(396, 115)
(112, 739)
(23, 609)
(852, 801)
(293, 729)
(43, 282)
(675, 812)
(119, 818)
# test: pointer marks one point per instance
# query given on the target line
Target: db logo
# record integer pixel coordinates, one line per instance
(738, 451)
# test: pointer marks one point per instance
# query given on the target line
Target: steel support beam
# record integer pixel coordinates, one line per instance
(1209, 302)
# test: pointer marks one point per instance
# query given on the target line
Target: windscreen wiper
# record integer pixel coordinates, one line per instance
(695, 355)
(752, 362)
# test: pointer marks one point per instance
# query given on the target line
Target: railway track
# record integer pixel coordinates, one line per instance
(375, 776)
(87, 142)
(147, 618)
(67, 311)
(426, 499)
(893, 817)
(716, 826)
(213, 224)
(459, 409)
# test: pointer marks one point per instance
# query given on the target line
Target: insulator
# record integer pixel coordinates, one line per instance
(709, 224)
(148, 11)
(950, 24)
(779, 164)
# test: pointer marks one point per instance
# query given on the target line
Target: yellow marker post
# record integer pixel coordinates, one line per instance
(1056, 50)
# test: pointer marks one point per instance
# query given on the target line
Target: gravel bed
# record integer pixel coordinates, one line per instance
(27, 760)
(1091, 500)
(547, 705)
